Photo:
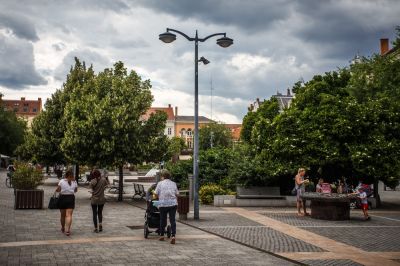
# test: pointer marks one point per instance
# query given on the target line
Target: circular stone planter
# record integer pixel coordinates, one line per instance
(330, 206)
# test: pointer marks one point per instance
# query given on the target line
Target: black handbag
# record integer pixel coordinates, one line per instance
(53, 202)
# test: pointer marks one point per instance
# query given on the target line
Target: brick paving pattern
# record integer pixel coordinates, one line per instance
(377, 234)
(264, 238)
(120, 245)
(330, 263)
(43, 225)
(380, 239)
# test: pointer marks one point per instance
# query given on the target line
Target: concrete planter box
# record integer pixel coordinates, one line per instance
(225, 201)
(254, 191)
(29, 199)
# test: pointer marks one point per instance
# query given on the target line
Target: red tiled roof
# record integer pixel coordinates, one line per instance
(232, 126)
(168, 110)
(235, 130)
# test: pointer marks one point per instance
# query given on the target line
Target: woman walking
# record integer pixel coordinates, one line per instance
(67, 188)
(98, 184)
(167, 193)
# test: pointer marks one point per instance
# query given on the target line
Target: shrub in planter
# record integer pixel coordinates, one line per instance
(26, 177)
(25, 181)
(207, 192)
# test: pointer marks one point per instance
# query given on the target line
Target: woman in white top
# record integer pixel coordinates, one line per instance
(67, 188)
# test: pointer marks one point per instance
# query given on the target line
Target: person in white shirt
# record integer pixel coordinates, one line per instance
(167, 193)
(66, 203)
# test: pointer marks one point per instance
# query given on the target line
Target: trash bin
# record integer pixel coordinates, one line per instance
(183, 207)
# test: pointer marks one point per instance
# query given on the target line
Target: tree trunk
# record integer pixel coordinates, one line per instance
(47, 169)
(120, 183)
(376, 193)
(77, 172)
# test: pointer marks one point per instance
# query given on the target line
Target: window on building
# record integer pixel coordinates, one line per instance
(169, 131)
(26, 104)
(16, 109)
(16, 104)
(34, 110)
(183, 132)
(189, 144)
(25, 109)
(189, 132)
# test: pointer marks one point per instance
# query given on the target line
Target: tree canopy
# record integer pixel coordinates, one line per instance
(214, 135)
(342, 123)
(12, 131)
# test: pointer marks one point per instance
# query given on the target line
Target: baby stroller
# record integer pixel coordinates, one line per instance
(152, 219)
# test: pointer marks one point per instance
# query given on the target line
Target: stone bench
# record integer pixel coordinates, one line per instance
(259, 193)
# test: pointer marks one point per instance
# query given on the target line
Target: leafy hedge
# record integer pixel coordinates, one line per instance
(26, 176)
(207, 192)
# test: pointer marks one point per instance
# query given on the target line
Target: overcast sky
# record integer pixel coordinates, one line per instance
(276, 43)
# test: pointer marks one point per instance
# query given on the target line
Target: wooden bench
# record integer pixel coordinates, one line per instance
(139, 191)
(259, 193)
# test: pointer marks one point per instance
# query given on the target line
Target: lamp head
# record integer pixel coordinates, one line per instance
(167, 37)
(204, 60)
(225, 42)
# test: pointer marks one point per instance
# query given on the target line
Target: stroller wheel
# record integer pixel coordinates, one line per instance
(146, 230)
(168, 231)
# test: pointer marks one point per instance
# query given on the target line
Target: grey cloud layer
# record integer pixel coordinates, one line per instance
(17, 69)
(275, 42)
(20, 25)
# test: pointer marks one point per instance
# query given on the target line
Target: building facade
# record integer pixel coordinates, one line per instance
(284, 101)
(25, 109)
(184, 127)
(169, 130)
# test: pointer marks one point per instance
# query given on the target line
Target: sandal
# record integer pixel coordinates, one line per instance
(62, 230)
(173, 240)
(68, 233)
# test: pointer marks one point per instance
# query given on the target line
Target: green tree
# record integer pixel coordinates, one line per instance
(268, 110)
(175, 147)
(48, 128)
(12, 130)
(105, 123)
(375, 83)
(214, 135)
(214, 165)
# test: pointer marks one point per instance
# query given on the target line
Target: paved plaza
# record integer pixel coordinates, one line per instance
(223, 236)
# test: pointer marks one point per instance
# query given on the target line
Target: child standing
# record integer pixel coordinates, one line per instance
(362, 195)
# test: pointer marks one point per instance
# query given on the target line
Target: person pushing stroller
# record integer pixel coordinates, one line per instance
(167, 193)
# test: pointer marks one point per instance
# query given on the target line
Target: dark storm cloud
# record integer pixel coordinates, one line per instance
(20, 25)
(17, 69)
(248, 15)
(98, 61)
(59, 46)
(341, 27)
(337, 28)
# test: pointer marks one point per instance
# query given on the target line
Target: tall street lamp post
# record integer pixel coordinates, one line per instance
(224, 42)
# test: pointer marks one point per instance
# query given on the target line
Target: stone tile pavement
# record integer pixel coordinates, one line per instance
(33, 237)
(223, 236)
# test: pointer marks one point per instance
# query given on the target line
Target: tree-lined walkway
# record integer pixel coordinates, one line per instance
(33, 237)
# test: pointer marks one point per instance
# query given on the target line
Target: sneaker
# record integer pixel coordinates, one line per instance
(173, 240)
(95, 230)
(161, 238)
(100, 228)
